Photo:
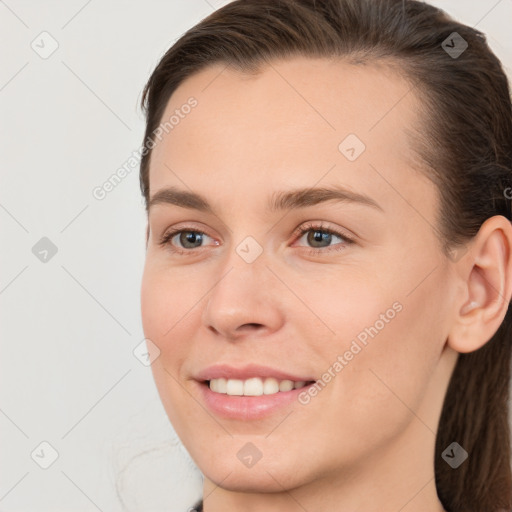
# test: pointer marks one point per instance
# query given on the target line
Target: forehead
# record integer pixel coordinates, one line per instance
(290, 123)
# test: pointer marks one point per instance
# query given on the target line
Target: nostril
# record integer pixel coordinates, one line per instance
(252, 325)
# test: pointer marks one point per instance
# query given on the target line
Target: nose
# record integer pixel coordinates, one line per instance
(246, 300)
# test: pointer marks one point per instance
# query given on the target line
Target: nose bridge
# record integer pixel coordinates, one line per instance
(242, 273)
(240, 294)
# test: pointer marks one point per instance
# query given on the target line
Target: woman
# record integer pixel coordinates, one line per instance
(328, 266)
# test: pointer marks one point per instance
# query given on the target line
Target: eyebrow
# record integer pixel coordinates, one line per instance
(283, 200)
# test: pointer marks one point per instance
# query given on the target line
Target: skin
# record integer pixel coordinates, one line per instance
(366, 441)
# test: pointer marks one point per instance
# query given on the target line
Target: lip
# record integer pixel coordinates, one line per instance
(219, 371)
(248, 408)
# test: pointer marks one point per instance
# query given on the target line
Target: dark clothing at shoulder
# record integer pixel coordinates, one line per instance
(198, 507)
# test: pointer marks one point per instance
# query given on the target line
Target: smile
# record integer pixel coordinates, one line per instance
(256, 386)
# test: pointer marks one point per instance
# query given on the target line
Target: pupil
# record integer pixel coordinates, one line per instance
(319, 236)
(190, 237)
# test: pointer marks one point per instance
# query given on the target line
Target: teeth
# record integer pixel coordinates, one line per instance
(235, 387)
(270, 386)
(255, 386)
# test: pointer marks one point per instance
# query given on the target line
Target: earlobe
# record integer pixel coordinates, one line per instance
(487, 275)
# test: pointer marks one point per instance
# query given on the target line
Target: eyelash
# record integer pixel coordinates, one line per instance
(298, 234)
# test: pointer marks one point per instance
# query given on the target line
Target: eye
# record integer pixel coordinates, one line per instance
(185, 240)
(188, 238)
(320, 238)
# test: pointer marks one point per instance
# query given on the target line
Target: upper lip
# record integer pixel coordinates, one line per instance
(226, 371)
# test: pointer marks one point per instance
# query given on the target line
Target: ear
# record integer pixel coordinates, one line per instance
(486, 274)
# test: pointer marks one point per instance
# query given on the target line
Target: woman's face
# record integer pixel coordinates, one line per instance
(362, 297)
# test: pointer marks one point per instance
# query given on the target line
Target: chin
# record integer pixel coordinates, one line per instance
(227, 469)
(253, 480)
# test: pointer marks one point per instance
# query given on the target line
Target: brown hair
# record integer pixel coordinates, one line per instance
(465, 145)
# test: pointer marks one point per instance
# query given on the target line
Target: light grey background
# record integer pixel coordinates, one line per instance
(69, 325)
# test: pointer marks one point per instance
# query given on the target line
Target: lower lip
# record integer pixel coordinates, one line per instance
(247, 407)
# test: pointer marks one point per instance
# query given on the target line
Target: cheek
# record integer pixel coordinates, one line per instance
(168, 298)
(351, 310)
(378, 317)
(156, 316)
(165, 301)
(167, 304)
(380, 356)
